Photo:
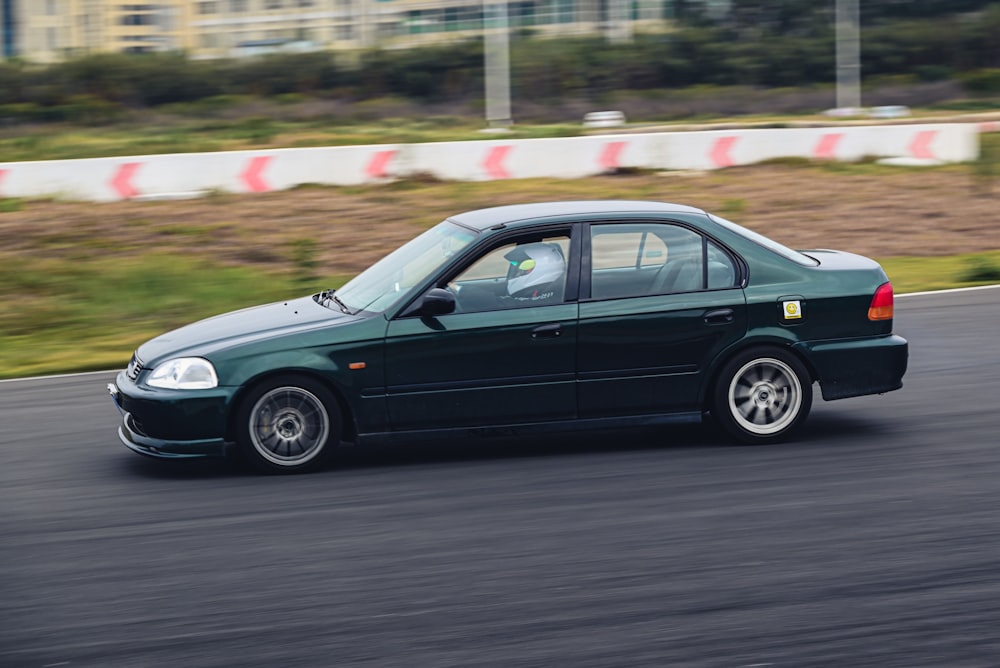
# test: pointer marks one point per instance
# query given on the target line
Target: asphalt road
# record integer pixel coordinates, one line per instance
(872, 541)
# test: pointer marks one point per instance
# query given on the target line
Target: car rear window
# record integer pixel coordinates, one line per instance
(770, 244)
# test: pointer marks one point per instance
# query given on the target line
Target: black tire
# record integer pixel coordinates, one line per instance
(288, 424)
(763, 395)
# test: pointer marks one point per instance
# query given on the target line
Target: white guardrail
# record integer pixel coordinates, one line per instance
(153, 176)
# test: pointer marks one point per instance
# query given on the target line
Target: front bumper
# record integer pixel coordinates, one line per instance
(170, 425)
(856, 367)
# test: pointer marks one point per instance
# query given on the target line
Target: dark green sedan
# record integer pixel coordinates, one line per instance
(531, 317)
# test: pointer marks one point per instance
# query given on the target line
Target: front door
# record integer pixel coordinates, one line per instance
(506, 355)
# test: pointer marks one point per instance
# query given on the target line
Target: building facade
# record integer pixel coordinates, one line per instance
(54, 30)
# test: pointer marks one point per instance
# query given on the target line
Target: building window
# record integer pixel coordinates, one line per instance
(272, 4)
(566, 11)
(211, 7)
(386, 30)
(137, 20)
(522, 14)
(344, 33)
(426, 20)
(238, 5)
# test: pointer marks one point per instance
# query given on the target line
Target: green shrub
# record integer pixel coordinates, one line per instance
(982, 82)
(10, 205)
(19, 112)
(90, 110)
(980, 270)
(256, 129)
(290, 98)
(933, 72)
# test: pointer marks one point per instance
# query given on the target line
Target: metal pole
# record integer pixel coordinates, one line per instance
(619, 23)
(496, 45)
(848, 55)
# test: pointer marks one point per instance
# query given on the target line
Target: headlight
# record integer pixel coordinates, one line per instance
(184, 373)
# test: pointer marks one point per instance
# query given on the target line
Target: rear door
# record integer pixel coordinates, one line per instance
(659, 301)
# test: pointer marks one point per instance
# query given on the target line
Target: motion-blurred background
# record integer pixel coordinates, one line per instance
(69, 60)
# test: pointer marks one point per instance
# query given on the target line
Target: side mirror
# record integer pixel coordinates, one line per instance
(437, 301)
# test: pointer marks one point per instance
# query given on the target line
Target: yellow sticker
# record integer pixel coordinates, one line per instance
(793, 309)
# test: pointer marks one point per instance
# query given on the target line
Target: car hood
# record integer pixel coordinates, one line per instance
(241, 327)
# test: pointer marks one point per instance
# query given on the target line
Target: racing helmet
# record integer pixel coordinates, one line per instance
(536, 270)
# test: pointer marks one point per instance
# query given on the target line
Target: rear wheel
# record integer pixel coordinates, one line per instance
(288, 425)
(763, 395)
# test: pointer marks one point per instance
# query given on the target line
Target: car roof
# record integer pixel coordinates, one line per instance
(482, 219)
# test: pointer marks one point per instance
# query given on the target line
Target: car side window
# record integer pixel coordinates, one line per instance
(645, 259)
(721, 268)
(525, 272)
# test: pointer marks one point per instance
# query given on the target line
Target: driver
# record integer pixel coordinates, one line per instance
(537, 273)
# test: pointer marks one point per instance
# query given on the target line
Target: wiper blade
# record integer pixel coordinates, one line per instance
(342, 305)
(328, 296)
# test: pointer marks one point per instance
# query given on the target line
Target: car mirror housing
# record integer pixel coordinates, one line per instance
(437, 301)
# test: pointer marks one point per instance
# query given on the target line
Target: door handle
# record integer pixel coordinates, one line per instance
(720, 316)
(549, 331)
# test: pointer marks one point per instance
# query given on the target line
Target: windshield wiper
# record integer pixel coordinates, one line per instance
(327, 296)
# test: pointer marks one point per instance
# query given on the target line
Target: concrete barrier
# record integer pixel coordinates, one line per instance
(160, 176)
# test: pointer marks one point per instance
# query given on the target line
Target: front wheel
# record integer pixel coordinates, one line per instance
(763, 395)
(288, 425)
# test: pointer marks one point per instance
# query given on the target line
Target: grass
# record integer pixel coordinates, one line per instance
(920, 274)
(182, 135)
(63, 315)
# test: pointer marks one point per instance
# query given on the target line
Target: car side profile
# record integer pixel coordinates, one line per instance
(530, 317)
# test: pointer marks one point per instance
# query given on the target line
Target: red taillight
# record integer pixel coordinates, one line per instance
(881, 306)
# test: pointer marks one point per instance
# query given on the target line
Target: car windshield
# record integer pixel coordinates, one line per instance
(391, 278)
(770, 244)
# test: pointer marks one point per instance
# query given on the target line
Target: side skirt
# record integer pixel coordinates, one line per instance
(530, 429)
